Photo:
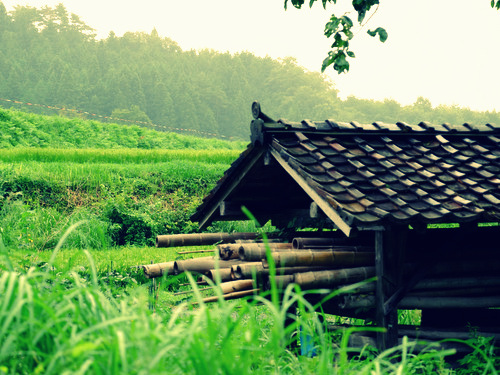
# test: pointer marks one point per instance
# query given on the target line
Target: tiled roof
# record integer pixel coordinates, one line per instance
(433, 177)
(389, 173)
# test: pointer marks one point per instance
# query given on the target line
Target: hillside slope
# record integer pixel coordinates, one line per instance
(20, 129)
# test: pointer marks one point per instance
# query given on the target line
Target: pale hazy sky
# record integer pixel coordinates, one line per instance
(445, 50)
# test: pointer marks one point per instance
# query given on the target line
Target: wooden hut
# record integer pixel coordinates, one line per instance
(426, 197)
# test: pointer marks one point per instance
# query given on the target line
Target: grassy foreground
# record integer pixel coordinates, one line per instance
(67, 312)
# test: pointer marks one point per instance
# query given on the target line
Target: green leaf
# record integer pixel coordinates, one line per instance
(361, 16)
(341, 65)
(296, 3)
(327, 61)
(339, 42)
(332, 26)
(346, 21)
(350, 54)
(382, 34)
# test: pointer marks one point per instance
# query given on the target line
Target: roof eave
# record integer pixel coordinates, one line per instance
(325, 206)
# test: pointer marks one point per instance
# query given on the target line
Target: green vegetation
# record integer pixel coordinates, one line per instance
(20, 129)
(117, 156)
(52, 58)
(121, 203)
(69, 315)
(124, 195)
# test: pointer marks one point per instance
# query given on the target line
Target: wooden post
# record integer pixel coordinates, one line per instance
(389, 257)
(379, 296)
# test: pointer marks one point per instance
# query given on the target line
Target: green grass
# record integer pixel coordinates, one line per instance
(79, 311)
(60, 323)
(125, 196)
(93, 177)
(116, 156)
(20, 129)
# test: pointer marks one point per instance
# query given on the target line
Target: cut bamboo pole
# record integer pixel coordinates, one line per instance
(228, 251)
(201, 239)
(236, 286)
(327, 278)
(194, 252)
(235, 295)
(257, 251)
(226, 287)
(248, 270)
(325, 242)
(232, 251)
(322, 258)
(224, 274)
(158, 269)
(202, 265)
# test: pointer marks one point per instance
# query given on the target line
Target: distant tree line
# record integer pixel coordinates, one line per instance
(51, 57)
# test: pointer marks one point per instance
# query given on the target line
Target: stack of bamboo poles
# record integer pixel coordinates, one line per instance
(241, 262)
(433, 281)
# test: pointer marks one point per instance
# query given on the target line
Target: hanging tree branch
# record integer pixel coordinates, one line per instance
(339, 29)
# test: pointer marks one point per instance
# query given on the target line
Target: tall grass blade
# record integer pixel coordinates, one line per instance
(61, 242)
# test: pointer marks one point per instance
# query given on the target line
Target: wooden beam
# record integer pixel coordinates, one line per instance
(325, 206)
(379, 291)
(313, 210)
(233, 209)
(267, 159)
(232, 184)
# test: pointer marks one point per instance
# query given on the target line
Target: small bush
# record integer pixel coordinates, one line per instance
(128, 226)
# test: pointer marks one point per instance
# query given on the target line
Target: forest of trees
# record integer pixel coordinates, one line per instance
(51, 57)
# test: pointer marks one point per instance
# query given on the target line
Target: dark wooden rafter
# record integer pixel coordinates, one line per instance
(229, 209)
(325, 206)
(231, 185)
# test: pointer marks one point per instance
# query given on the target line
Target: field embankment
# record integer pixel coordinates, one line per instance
(122, 193)
(21, 129)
